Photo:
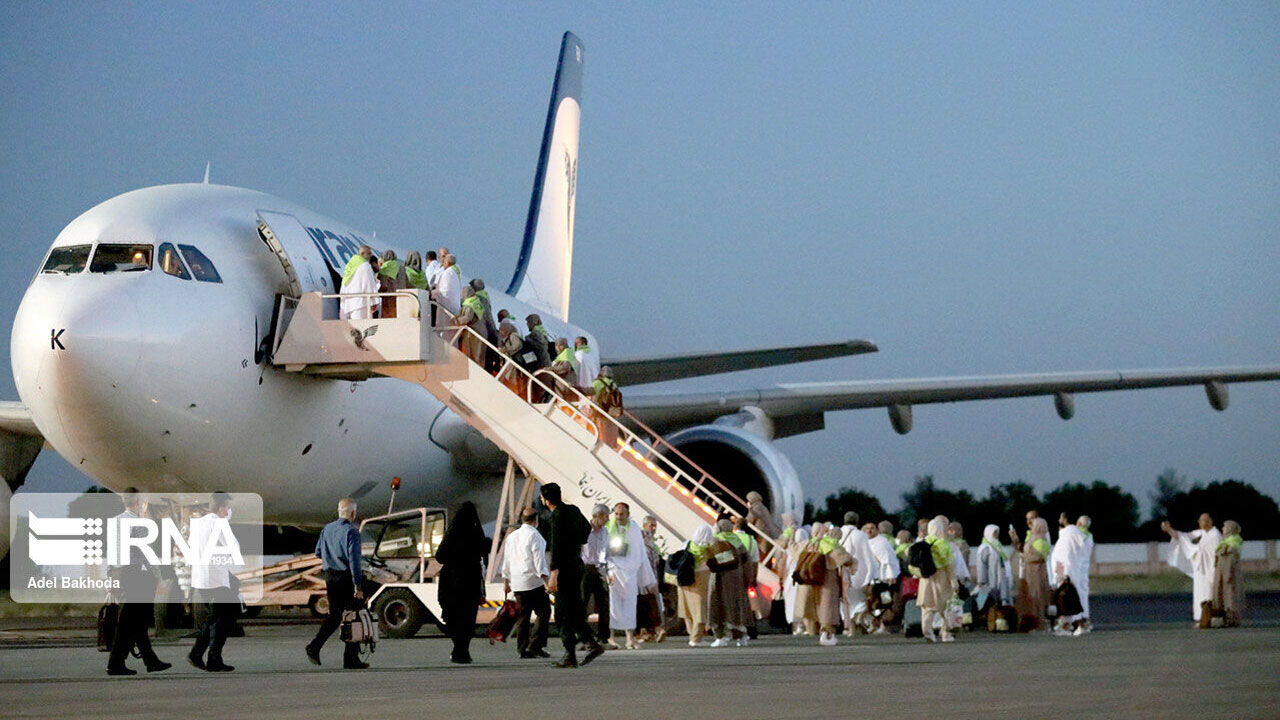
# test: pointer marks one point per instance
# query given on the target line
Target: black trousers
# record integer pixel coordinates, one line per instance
(595, 592)
(214, 616)
(131, 630)
(342, 596)
(571, 613)
(532, 602)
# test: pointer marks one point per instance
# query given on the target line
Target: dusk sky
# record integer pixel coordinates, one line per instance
(998, 188)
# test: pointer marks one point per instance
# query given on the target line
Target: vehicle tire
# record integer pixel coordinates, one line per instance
(400, 613)
(319, 605)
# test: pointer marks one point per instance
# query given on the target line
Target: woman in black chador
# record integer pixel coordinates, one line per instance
(462, 553)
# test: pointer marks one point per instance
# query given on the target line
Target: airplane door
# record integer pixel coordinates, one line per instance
(301, 259)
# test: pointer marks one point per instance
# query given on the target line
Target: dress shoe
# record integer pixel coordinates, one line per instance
(355, 665)
(196, 661)
(121, 671)
(566, 662)
(158, 666)
(313, 655)
(220, 667)
(595, 652)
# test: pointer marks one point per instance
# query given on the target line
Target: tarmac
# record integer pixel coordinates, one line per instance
(1148, 668)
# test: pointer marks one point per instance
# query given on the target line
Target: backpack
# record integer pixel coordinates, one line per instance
(679, 570)
(610, 398)
(811, 568)
(920, 555)
(722, 557)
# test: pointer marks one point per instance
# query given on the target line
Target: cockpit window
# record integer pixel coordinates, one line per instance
(170, 263)
(122, 258)
(200, 265)
(67, 260)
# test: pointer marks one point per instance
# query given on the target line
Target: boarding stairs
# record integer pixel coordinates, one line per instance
(550, 430)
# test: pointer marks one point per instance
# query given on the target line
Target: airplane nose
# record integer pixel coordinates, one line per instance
(74, 350)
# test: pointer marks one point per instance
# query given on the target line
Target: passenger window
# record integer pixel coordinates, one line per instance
(124, 258)
(170, 263)
(67, 260)
(200, 265)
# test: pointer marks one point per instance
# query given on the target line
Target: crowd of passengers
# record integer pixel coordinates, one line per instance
(493, 340)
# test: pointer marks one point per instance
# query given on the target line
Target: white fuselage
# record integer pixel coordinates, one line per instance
(159, 382)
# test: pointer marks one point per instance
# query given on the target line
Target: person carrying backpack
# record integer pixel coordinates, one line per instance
(694, 597)
(606, 395)
(937, 583)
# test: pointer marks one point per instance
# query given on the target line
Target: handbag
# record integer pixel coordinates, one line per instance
(504, 621)
(648, 616)
(722, 557)
(108, 621)
(358, 626)
(1067, 599)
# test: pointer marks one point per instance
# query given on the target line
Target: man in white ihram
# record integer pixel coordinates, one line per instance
(1195, 553)
(448, 291)
(358, 280)
(629, 571)
(1070, 560)
(853, 609)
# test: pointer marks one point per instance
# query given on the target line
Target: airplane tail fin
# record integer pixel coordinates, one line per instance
(542, 276)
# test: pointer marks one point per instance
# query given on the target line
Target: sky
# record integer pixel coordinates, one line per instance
(979, 189)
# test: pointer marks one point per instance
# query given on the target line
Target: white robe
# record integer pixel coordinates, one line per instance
(886, 566)
(448, 293)
(789, 588)
(362, 281)
(588, 367)
(855, 542)
(1195, 553)
(629, 574)
(1073, 551)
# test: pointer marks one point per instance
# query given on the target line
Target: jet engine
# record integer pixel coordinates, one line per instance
(741, 460)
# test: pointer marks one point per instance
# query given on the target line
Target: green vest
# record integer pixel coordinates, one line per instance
(352, 265)
(566, 355)
(699, 552)
(731, 538)
(748, 542)
(1041, 546)
(827, 543)
(390, 268)
(483, 295)
(476, 306)
(601, 382)
(541, 332)
(940, 548)
(619, 543)
(1229, 544)
(417, 278)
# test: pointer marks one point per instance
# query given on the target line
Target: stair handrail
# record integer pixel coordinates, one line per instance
(696, 489)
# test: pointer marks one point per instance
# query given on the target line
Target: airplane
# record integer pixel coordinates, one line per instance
(141, 352)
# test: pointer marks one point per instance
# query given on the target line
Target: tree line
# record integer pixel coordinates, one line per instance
(1114, 512)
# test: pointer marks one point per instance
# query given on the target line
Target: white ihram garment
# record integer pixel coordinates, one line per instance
(1073, 551)
(363, 281)
(1195, 553)
(855, 542)
(629, 574)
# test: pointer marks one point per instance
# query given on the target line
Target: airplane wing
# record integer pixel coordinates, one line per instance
(15, 419)
(637, 371)
(801, 405)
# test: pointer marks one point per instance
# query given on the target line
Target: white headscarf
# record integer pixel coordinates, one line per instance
(992, 533)
(704, 535)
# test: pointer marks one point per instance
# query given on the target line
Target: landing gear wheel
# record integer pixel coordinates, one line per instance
(400, 613)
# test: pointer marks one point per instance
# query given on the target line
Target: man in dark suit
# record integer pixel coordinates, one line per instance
(137, 594)
(568, 531)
